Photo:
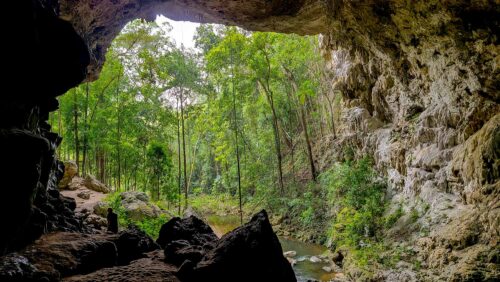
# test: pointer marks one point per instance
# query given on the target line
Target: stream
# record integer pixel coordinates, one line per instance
(304, 269)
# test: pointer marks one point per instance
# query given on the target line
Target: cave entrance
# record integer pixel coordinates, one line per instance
(182, 108)
(183, 115)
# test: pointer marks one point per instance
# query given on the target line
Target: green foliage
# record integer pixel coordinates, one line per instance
(359, 200)
(114, 202)
(414, 215)
(391, 219)
(214, 203)
(151, 226)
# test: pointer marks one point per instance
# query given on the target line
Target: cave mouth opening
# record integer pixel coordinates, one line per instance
(150, 84)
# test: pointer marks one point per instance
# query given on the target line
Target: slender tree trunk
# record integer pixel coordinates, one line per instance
(303, 121)
(135, 179)
(308, 143)
(102, 165)
(235, 128)
(158, 187)
(96, 162)
(85, 129)
(77, 144)
(60, 132)
(330, 106)
(118, 141)
(184, 151)
(277, 142)
(179, 165)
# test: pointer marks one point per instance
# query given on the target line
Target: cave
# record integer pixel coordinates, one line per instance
(437, 60)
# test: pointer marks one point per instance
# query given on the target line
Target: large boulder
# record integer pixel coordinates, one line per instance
(75, 183)
(70, 170)
(186, 239)
(95, 221)
(101, 209)
(132, 244)
(191, 229)
(93, 184)
(137, 206)
(251, 252)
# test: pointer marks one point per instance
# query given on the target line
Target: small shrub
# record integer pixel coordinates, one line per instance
(391, 219)
(152, 225)
(149, 225)
(414, 215)
(359, 200)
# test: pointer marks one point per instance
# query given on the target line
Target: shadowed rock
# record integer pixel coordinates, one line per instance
(251, 252)
(132, 244)
(186, 239)
(58, 255)
(191, 229)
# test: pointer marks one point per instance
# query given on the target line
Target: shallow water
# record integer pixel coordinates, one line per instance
(305, 270)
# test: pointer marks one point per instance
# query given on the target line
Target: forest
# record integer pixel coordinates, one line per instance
(238, 120)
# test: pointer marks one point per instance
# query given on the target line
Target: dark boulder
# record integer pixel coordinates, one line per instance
(191, 229)
(132, 244)
(186, 239)
(251, 252)
(181, 250)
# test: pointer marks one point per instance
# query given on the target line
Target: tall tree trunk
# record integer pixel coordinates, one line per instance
(330, 106)
(184, 150)
(308, 143)
(118, 141)
(102, 165)
(303, 121)
(179, 165)
(60, 132)
(277, 140)
(158, 187)
(77, 144)
(235, 128)
(85, 129)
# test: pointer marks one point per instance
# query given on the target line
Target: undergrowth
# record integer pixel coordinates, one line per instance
(150, 225)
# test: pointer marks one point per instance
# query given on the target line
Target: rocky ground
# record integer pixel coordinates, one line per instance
(186, 250)
(191, 252)
(85, 198)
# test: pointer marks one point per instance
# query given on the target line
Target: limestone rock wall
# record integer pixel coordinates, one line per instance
(420, 94)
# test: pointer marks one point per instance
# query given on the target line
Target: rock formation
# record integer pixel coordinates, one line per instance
(70, 171)
(63, 254)
(251, 252)
(131, 255)
(137, 205)
(419, 82)
(93, 184)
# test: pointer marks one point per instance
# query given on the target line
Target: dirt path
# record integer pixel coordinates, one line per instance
(83, 203)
